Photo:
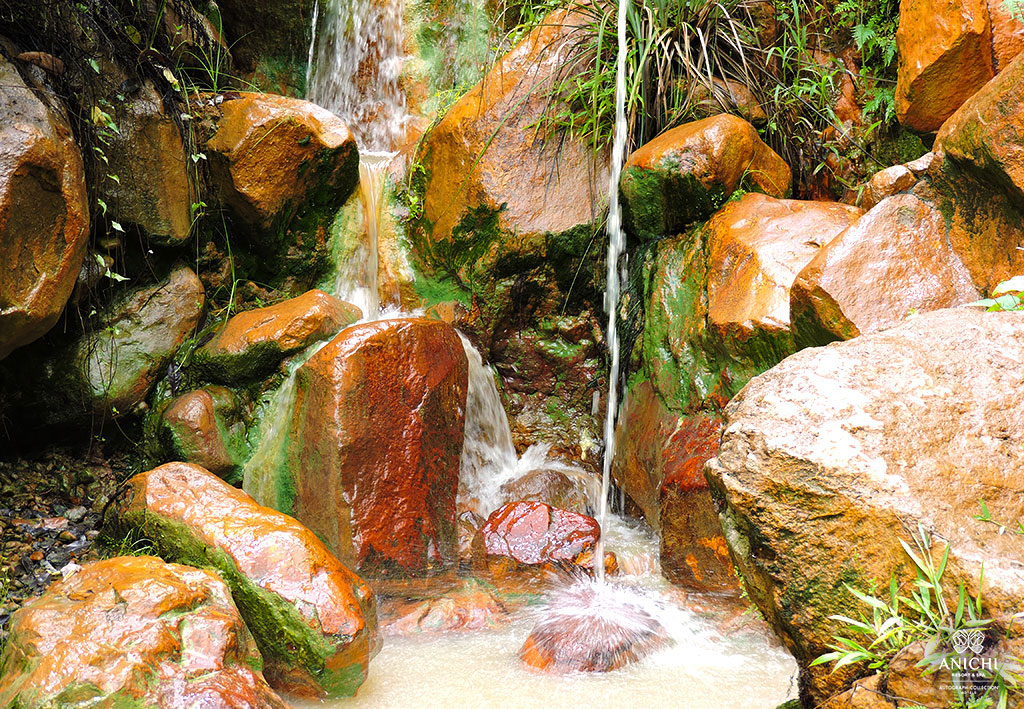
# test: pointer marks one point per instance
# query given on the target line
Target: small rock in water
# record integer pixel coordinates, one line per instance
(594, 627)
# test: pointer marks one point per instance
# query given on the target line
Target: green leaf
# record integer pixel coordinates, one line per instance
(1013, 285)
(116, 226)
(827, 657)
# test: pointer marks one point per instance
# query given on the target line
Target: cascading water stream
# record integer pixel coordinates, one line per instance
(616, 247)
(356, 57)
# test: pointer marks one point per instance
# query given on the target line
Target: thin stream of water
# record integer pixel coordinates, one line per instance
(616, 247)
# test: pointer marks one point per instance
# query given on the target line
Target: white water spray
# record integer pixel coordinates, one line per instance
(356, 56)
(616, 246)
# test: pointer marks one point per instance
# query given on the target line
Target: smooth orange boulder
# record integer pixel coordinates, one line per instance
(133, 631)
(314, 620)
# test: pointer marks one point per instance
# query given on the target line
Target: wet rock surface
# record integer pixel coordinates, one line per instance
(44, 212)
(314, 620)
(830, 457)
(133, 629)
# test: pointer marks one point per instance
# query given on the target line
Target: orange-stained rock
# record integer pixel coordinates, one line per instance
(521, 541)
(283, 167)
(864, 694)
(373, 448)
(1007, 34)
(757, 245)
(945, 55)
(133, 631)
(148, 156)
(252, 343)
(515, 212)
(203, 427)
(893, 262)
(487, 152)
(472, 606)
(987, 135)
(591, 627)
(314, 620)
(44, 213)
(686, 173)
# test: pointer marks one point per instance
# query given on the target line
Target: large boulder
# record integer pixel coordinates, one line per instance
(146, 156)
(370, 459)
(315, 621)
(1007, 33)
(251, 344)
(133, 631)
(283, 167)
(44, 212)
(986, 133)
(945, 55)
(685, 174)
(836, 454)
(511, 224)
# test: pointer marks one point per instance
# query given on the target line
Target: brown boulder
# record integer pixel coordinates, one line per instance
(521, 541)
(373, 448)
(896, 260)
(686, 173)
(314, 620)
(945, 55)
(836, 454)
(251, 344)
(986, 134)
(472, 606)
(886, 183)
(283, 167)
(44, 213)
(148, 157)
(553, 487)
(202, 427)
(133, 631)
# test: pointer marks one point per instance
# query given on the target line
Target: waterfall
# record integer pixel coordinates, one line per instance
(489, 459)
(357, 279)
(616, 247)
(356, 57)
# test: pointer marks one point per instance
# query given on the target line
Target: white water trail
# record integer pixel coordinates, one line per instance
(616, 247)
(489, 458)
(356, 57)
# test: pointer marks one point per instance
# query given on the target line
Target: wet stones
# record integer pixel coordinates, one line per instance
(251, 344)
(44, 213)
(314, 620)
(188, 643)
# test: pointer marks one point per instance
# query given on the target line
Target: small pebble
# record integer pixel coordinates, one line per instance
(75, 514)
(67, 536)
(36, 556)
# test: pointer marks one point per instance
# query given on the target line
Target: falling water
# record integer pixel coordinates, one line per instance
(489, 458)
(357, 280)
(616, 246)
(356, 57)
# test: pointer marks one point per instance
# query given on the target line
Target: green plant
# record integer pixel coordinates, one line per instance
(922, 616)
(1005, 296)
(872, 27)
(986, 516)
(134, 543)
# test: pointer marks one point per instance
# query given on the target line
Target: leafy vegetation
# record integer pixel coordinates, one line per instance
(1005, 296)
(893, 623)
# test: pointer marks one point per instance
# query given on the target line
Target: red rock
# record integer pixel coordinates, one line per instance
(473, 606)
(133, 630)
(251, 344)
(374, 447)
(521, 541)
(44, 213)
(945, 51)
(1007, 34)
(287, 584)
(550, 486)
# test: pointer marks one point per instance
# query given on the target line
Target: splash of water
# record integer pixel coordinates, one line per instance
(489, 458)
(616, 247)
(356, 57)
